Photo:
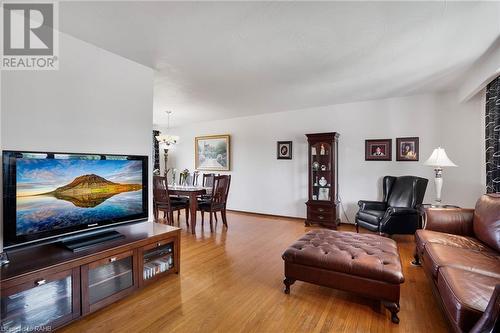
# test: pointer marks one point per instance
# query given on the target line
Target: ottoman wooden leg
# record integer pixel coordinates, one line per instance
(394, 308)
(288, 282)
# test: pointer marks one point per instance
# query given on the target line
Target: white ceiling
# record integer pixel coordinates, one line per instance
(218, 60)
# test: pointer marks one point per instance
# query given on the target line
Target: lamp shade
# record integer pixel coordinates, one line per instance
(439, 159)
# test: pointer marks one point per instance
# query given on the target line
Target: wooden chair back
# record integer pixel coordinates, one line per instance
(220, 190)
(208, 179)
(160, 191)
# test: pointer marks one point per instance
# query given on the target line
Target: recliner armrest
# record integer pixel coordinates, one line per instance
(393, 211)
(372, 205)
(456, 221)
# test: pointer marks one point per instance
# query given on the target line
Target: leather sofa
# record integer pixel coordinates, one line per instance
(397, 213)
(460, 253)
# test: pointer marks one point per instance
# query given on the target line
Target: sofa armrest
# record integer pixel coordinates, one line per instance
(372, 205)
(456, 221)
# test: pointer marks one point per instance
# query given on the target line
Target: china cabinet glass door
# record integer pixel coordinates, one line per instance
(321, 175)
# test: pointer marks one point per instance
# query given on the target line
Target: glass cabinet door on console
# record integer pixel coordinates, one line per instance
(107, 280)
(40, 302)
(158, 259)
(323, 184)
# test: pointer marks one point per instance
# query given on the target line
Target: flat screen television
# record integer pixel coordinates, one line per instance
(50, 195)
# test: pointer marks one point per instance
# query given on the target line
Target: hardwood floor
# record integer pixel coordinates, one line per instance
(231, 281)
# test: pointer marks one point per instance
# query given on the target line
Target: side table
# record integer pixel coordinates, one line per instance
(424, 207)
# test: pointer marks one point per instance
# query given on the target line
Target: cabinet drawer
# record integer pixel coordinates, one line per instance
(159, 243)
(322, 210)
(320, 216)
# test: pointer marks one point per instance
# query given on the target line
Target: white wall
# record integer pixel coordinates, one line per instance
(263, 184)
(96, 102)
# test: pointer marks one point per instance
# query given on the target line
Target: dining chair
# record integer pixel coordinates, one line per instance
(208, 179)
(217, 201)
(162, 201)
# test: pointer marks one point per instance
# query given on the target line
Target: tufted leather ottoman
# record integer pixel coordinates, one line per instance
(362, 263)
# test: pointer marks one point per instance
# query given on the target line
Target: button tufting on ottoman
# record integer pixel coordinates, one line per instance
(363, 263)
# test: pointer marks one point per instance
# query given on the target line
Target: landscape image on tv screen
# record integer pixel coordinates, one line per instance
(59, 193)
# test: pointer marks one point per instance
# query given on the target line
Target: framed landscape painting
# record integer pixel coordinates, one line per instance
(212, 152)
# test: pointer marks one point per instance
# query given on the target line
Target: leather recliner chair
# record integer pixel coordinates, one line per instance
(397, 213)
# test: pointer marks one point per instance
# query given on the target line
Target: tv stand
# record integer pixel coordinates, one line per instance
(47, 286)
(85, 242)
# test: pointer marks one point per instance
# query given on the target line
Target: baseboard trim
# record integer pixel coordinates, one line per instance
(267, 215)
(302, 219)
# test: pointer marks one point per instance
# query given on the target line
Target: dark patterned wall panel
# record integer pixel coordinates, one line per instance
(156, 151)
(492, 127)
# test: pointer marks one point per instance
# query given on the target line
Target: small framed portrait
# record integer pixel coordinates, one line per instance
(284, 150)
(378, 150)
(407, 149)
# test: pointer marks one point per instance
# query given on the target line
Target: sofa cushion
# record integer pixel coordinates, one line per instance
(482, 262)
(465, 295)
(371, 216)
(423, 237)
(487, 220)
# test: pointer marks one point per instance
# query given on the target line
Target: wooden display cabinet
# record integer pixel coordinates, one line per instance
(323, 200)
(48, 286)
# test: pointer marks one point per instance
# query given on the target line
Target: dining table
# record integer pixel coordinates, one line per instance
(192, 192)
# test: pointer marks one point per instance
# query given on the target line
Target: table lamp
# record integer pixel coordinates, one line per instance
(438, 160)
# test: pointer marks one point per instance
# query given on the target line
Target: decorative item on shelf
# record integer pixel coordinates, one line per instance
(315, 197)
(322, 150)
(316, 181)
(315, 165)
(213, 152)
(323, 181)
(407, 149)
(284, 151)
(168, 141)
(438, 160)
(313, 151)
(323, 167)
(378, 150)
(323, 194)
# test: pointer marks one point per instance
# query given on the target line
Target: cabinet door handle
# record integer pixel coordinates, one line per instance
(320, 217)
(112, 259)
(320, 209)
(40, 282)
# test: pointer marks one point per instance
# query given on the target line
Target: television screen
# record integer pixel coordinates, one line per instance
(59, 193)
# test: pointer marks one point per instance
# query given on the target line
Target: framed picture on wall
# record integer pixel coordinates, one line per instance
(212, 152)
(378, 150)
(284, 150)
(407, 149)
